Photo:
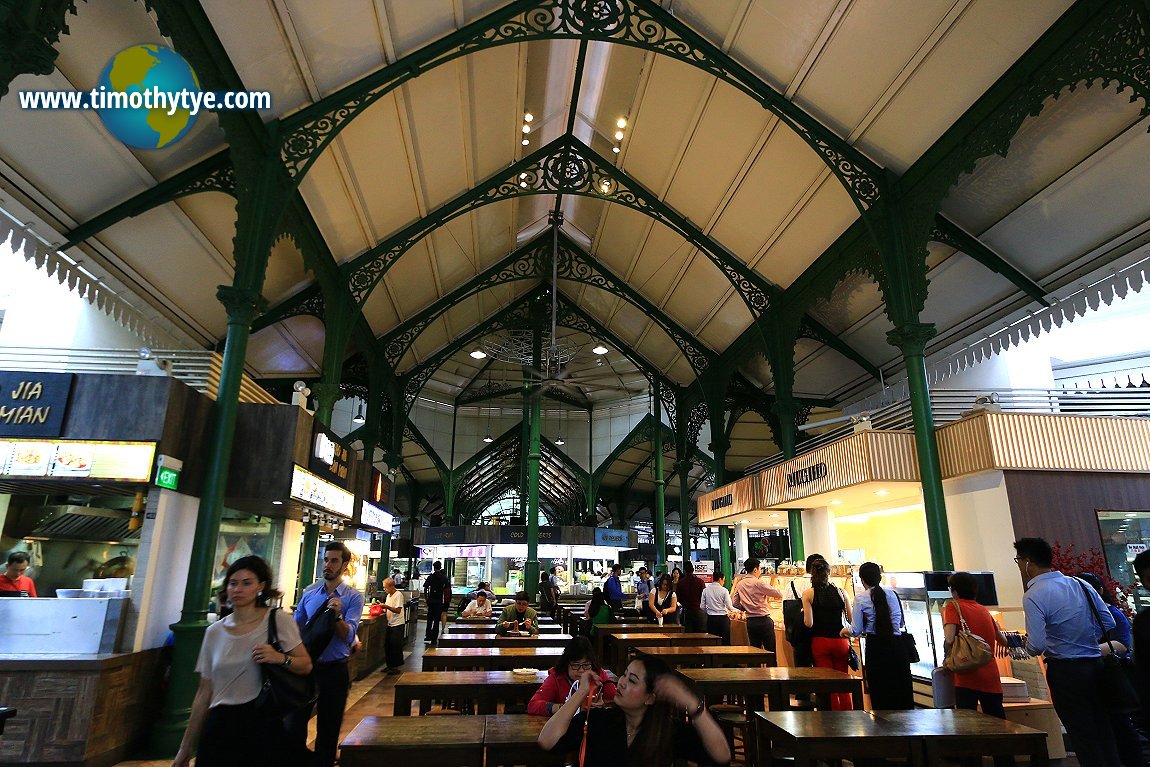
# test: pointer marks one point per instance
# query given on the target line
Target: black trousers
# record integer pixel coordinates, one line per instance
(240, 736)
(720, 625)
(694, 620)
(991, 702)
(393, 646)
(761, 632)
(434, 613)
(1077, 694)
(888, 674)
(332, 683)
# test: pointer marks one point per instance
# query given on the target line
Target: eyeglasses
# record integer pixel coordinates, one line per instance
(1018, 559)
(580, 666)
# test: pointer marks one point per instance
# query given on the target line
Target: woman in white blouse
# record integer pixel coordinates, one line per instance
(225, 722)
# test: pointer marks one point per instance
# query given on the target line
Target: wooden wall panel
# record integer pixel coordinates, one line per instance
(117, 408)
(1062, 506)
(264, 450)
(186, 433)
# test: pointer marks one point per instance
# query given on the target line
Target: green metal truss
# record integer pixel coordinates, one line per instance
(531, 310)
(29, 32)
(637, 23)
(533, 261)
(949, 233)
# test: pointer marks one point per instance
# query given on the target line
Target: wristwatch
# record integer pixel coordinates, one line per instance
(287, 659)
(692, 715)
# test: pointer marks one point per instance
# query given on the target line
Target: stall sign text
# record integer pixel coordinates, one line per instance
(32, 404)
(722, 502)
(809, 474)
(330, 458)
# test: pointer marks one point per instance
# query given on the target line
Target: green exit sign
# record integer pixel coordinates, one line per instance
(168, 478)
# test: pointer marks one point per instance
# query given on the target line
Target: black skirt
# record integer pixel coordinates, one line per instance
(888, 674)
(242, 736)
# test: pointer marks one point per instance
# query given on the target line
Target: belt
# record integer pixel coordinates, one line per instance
(1072, 660)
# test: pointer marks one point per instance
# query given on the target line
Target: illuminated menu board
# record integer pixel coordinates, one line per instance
(105, 461)
(314, 491)
(373, 516)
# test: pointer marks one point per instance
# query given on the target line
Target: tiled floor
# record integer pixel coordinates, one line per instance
(375, 696)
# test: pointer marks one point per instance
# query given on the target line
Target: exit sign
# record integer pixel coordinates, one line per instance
(168, 478)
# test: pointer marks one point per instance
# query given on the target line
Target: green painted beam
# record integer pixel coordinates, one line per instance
(950, 233)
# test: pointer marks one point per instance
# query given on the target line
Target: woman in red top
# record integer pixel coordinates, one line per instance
(983, 685)
(578, 658)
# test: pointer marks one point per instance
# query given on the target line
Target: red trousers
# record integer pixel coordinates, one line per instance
(832, 653)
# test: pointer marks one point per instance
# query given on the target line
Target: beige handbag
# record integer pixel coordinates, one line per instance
(969, 651)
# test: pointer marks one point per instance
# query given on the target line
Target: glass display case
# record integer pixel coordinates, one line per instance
(923, 595)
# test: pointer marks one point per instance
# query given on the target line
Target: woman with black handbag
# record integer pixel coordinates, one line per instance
(227, 721)
(878, 617)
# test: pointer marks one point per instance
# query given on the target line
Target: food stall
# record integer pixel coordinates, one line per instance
(95, 466)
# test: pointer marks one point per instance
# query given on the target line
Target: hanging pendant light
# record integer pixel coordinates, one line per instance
(358, 418)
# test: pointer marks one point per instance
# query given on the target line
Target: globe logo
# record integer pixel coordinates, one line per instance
(138, 70)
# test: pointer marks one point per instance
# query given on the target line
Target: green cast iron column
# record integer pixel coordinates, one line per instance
(911, 339)
(684, 469)
(243, 306)
(719, 445)
(795, 518)
(531, 570)
(660, 511)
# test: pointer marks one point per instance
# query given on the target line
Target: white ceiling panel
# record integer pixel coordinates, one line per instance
(380, 312)
(340, 38)
(326, 195)
(825, 216)
(776, 39)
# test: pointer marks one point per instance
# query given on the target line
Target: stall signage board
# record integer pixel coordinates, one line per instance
(70, 460)
(329, 456)
(33, 404)
(436, 536)
(380, 489)
(705, 570)
(607, 537)
(807, 475)
(315, 491)
(375, 517)
(518, 534)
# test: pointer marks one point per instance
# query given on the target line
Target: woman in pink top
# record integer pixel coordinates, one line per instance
(751, 595)
(578, 657)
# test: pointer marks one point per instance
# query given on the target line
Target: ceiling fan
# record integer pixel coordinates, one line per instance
(554, 374)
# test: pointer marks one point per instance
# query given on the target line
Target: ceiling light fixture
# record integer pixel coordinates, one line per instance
(525, 142)
(358, 417)
(277, 503)
(559, 440)
(615, 149)
(621, 122)
(618, 135)
(526, 128)
(882, 492)
(488, 438)
(836, 503)
(528, 117)
(478, 354)
(600, 350)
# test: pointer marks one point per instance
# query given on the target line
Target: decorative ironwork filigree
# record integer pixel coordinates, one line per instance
(567, 166)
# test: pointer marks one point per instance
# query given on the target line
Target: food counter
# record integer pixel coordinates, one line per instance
(372, 634)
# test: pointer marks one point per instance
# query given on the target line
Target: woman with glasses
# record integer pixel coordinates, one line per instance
(577, 659)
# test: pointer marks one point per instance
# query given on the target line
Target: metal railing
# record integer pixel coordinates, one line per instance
(949, 405)
(197, 368)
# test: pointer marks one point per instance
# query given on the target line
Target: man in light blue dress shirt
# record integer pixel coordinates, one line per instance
(1062, 625)
(331, 674)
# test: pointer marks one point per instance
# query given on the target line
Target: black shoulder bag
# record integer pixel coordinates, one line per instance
(283, 692)
(906, 637)
(319, 631)
(1118, 673)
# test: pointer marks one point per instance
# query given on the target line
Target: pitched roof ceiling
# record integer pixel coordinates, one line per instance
(1071, 197)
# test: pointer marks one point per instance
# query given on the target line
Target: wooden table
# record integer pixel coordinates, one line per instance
(472, 628)
(486, 688)
(417, 740)
(677, 656)
(543, 621)
(490, 658)
(491, 640)
(603, 646)
(950, 734)
(621, 644)
(774, 684)
(810, 736)
(512, 739)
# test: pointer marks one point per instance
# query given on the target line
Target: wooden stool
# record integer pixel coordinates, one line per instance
(733, 722)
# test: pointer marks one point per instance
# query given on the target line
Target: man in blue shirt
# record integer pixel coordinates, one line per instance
(1062, 626)
(330, 668)
(613, 588)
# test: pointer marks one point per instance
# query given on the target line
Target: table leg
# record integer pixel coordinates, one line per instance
(402, 705)
(1039, 756)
